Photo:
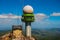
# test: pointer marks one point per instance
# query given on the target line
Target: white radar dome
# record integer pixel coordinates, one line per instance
(28, 9)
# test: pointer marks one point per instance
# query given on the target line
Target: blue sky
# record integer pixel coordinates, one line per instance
(47, 12)
(44, 6)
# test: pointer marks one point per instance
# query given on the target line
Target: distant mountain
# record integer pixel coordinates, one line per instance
(41, 34)
(47, 34)
(56, 29)
(3, 32)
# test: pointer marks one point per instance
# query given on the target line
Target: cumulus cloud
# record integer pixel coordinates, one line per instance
(40, 16)
(55, 14)
(10, 15)
(42, 20)
(9, 19)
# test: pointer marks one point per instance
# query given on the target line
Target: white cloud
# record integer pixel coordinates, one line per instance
(42, 20)
(9, 19)
(55, 14)
(9, 16)
(40, 16)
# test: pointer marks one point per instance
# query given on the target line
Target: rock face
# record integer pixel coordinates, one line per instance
(16, 34)
(8, 37)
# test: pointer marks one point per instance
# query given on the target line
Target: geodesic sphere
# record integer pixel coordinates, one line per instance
(28, 9)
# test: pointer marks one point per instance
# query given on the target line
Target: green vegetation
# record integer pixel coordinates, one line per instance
(50, 34)
(3, 32)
